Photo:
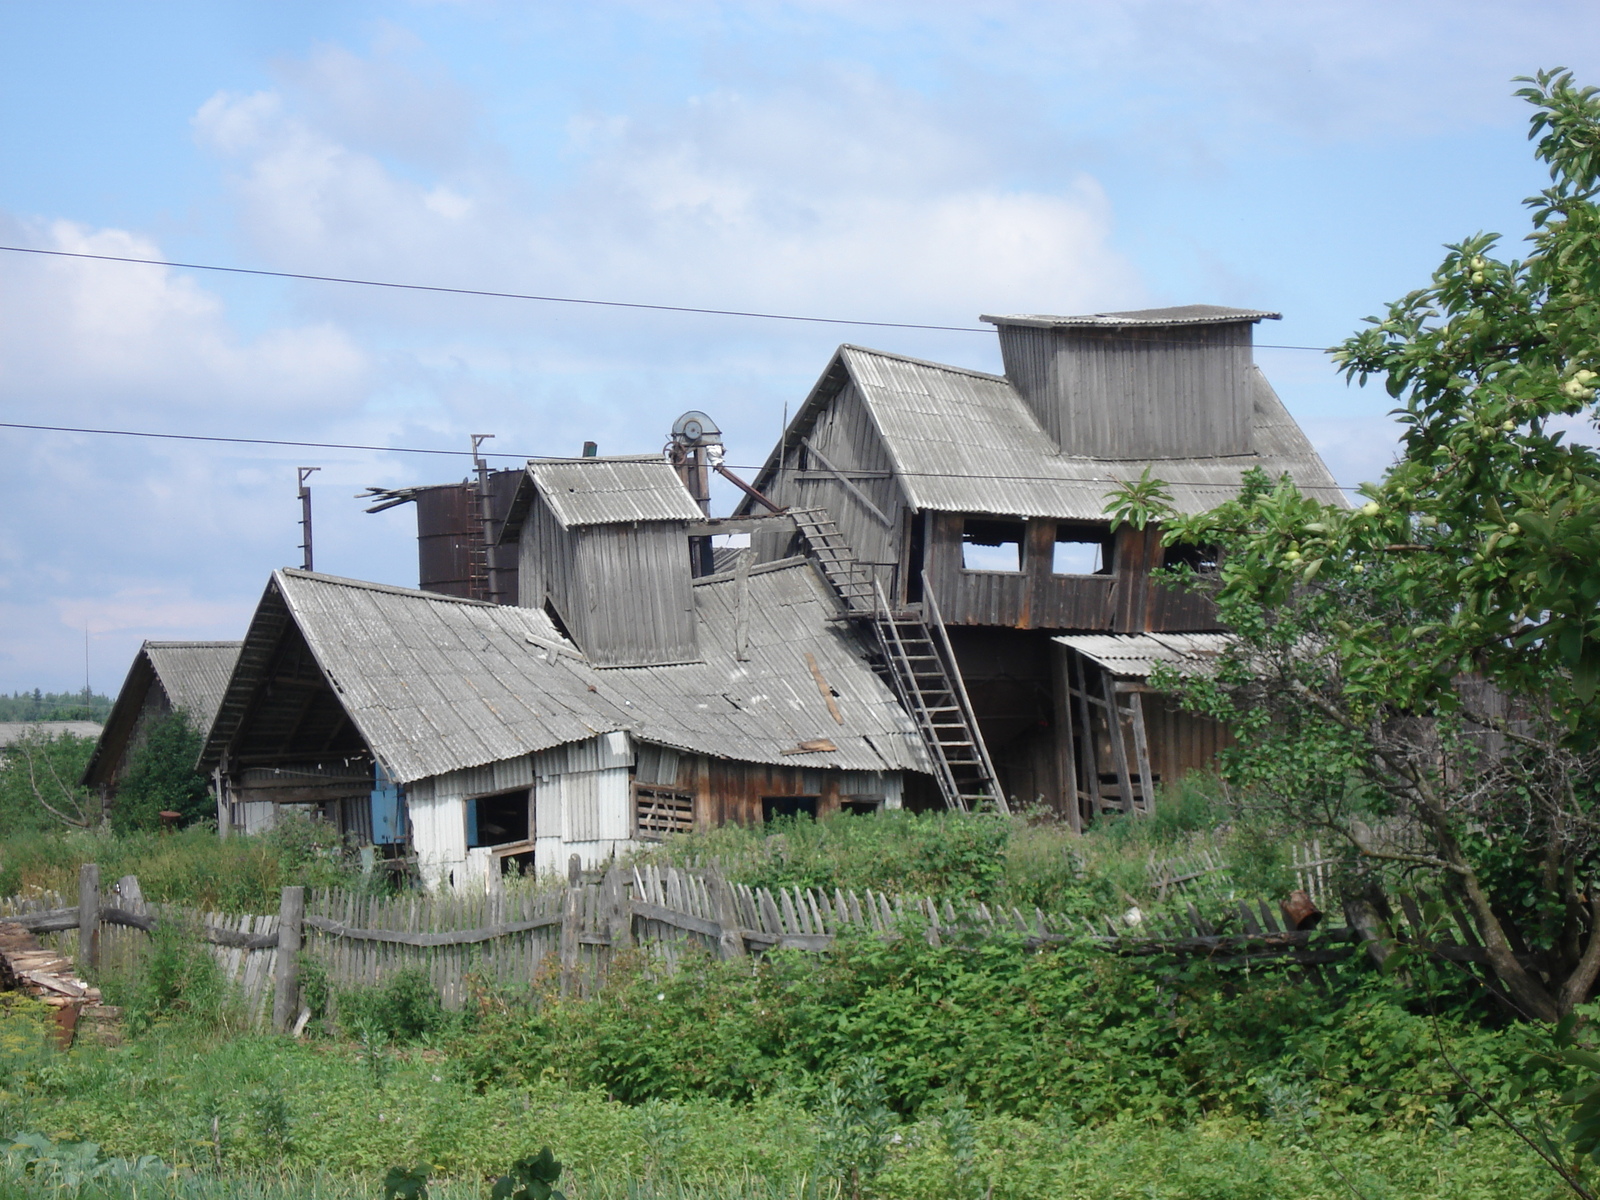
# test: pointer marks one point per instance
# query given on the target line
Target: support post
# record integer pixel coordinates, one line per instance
(571, 917)
(1141, 750)
(1119, 749)
(88, 916)
(1066, 758)
(730, 941)
(286, 993)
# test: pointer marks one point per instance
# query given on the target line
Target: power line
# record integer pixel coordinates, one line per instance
(244, 441)
(455, 291)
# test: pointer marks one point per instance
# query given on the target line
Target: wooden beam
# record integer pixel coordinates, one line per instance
(715, 526)
(1119, 750)
(848, 485)
(822, 686)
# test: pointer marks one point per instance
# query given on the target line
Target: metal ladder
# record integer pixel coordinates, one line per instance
(836, 560)
(926, 677)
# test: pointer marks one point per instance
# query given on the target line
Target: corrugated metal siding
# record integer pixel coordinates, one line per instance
(438, 834)
(637, 601)
(595, 805)
(547, 558)
(605, 491)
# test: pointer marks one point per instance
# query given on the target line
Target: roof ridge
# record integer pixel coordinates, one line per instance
(167, 643)
(368, 585)
(924, 362)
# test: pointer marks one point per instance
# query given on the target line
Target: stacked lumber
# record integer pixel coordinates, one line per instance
(26, 966)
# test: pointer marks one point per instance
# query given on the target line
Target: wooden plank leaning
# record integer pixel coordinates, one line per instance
(88, 916)
(571, 921)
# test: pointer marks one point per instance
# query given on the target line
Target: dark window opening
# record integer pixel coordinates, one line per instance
(498, 820)
(773, 807)
(992, 545)
(658, 813)
(1081, 550)
(555, 619)
(861, 806)
(917, 562)
(1202, 560)
(517, 864)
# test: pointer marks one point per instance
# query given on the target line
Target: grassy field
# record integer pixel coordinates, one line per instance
(894, 1070)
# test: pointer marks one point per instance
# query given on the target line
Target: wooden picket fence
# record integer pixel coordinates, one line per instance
(569, 935)
(1205, 872)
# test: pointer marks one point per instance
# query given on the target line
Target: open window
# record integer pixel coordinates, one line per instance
(1081, 550)
(1202, 560)
(860, 806)
(499, 820)
(992, 545)
(773, 807)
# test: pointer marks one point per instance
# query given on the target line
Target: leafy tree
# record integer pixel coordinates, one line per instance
(1419, 673)
(161, 777)
(39, 789)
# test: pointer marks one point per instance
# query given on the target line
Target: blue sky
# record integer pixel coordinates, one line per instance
(917, 162)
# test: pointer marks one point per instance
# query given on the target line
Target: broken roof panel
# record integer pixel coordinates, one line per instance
(1136, 655)
(437, 684)
(607, 491)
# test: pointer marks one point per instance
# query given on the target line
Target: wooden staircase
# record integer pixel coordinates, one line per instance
(836, 560)
(920, 663)
(926, 677)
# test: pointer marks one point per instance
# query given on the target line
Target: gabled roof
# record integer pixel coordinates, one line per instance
(1183, 314)
(603, 491)
(966, 441)
(436, 684)
(192, 675)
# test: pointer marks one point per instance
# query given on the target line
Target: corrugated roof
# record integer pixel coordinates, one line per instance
(1136, 655)
(194, 675)
(1183, 314)
(11, 731)
(436, 684)
(605, 491)
(965, 441)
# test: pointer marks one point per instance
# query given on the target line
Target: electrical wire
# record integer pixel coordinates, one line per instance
(455, 291)
(244, 441)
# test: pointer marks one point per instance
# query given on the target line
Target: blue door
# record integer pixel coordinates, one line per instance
(388, 809)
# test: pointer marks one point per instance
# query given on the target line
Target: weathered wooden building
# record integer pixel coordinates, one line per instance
(477, 737)
(986, 494)
(166, 677)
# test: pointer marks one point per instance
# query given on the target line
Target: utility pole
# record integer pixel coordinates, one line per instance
(305, 513)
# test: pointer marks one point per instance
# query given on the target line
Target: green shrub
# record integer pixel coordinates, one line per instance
(161, 777)
(176, 981)
(404, 1008)
(39, 773)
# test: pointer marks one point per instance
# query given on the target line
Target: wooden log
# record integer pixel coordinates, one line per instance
(286, 985)
(88, 916)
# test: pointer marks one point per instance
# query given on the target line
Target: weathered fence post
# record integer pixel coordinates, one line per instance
(88, 916)
(730, 941)
(571, 918)
(286, 996)
(619, 911)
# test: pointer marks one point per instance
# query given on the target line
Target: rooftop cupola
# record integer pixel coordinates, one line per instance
(1156, 383)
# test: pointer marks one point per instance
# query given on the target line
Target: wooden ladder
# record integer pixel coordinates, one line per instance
(927, 679)
(836, 560)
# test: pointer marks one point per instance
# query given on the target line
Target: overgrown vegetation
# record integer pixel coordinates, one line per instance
(161, 777)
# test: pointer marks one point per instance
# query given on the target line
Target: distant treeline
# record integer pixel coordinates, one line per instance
(55, 706)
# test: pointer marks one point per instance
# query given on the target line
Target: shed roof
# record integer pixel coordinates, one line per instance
(12, 731)
(966, 441)
(603, 491)
(193, 676)
(1136, 655)
(437, 684)
(1183, 314)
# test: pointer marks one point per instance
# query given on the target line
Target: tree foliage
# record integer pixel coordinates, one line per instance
(39, 788)
(161, 777)
(1420, 673)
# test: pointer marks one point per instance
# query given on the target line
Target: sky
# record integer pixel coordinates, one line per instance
(917, 163)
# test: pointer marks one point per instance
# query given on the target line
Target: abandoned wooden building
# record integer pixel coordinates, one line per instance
(166, 677)
(623, 701)
(980, 499)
